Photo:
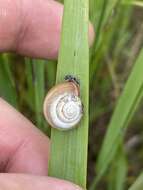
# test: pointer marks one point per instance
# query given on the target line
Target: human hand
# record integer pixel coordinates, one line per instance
(31, 29)
(24, 154)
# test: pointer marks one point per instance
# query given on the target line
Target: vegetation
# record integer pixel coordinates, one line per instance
(73, 60)
(115, 93)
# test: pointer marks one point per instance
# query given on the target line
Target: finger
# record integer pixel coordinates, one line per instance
(32, 29)
(23, 148)
(29, 182)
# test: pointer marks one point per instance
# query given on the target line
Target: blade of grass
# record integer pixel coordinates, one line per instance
(35, 72)
(29, 96)
(121, 172)
(103, 10)
(7, 86)
(138, 185)
(51, 68)
(39, 89)
(118, 171)
(69, 149)
(110, 36)
(136, 3)
(125, 109)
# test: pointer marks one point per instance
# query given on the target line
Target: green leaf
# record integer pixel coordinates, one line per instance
(138, 185)
(29, 96)
(125, 109)
(136, 3)
(35, 71)
(7, 85)
(51, 68)
(39, 89)
(118, 171)
(69, 149)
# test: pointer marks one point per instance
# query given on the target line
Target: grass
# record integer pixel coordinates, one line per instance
(118, 171)
(73, 60)
(7, 91)
(116, 56)
(138, 183)
(125, 109)
(35, 71)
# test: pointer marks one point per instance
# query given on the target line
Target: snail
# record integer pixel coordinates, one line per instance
(63, 108)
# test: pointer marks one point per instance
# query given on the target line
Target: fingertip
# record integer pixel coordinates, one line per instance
(63, 184)
(31, 182)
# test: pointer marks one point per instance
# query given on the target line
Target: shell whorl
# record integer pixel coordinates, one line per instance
(63, 108)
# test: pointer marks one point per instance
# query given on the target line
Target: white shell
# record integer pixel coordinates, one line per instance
(63, 108)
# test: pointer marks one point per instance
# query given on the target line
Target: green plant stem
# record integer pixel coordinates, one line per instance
(69, 149)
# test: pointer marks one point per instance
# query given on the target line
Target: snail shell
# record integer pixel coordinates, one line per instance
(62, 107)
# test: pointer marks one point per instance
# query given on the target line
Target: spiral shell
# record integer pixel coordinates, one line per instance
(62, 107)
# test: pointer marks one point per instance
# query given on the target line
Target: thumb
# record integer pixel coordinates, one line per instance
(29, 182)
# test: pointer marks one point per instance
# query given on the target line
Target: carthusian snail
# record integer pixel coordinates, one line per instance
(63, 108)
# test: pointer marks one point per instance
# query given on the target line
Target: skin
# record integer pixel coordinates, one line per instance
(24, 150)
